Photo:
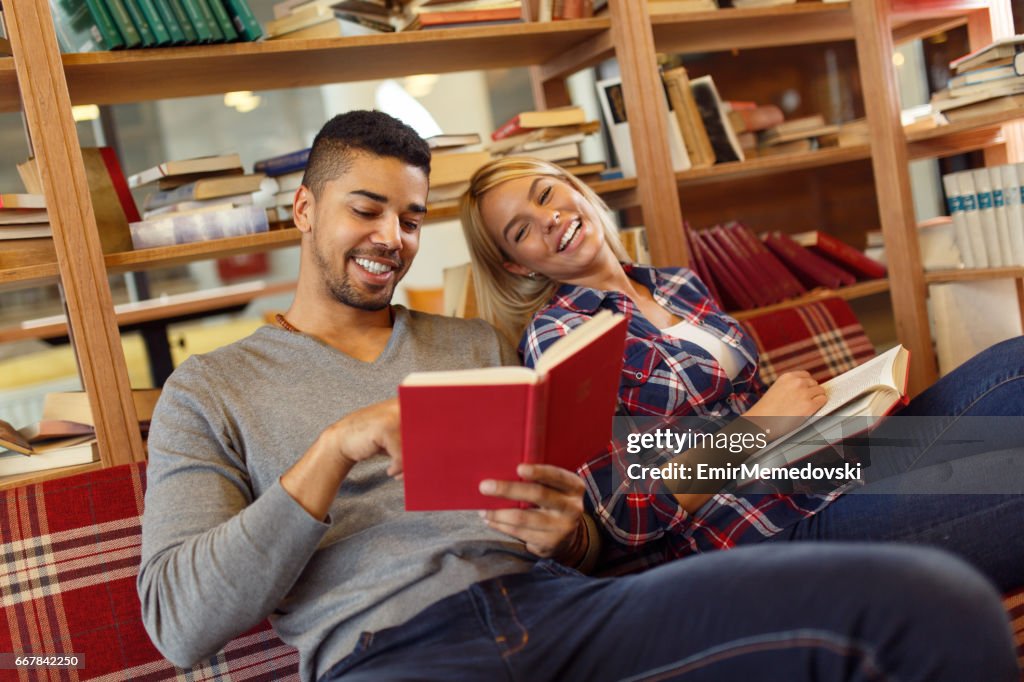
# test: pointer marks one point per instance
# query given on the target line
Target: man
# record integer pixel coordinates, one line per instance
(269, 496)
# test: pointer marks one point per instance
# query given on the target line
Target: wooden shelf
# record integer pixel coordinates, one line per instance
(974, 274)
(160, 73)
(28, 275)
(7, 482)
(167, 256)
(858, 290)
(768, 165)
(977, 132)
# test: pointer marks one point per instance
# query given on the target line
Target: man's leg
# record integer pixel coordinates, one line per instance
(814, 611)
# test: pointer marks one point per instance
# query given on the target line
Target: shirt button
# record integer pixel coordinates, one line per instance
(639, 375)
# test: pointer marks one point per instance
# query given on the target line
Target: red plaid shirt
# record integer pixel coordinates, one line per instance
(665, 376)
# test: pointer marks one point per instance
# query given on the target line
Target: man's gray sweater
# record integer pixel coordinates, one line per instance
(224, 546)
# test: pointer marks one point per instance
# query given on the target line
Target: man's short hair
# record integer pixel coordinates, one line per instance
(372, 132)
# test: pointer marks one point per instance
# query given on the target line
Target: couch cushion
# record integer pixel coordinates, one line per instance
(71, 551)
(823, 338)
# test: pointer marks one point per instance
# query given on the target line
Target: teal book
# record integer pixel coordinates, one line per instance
(183, 21)
(223, 20)
(211, 21)
(245, 21)
(170, 21)
(198, 20)
(123, 21)
(105, 24)
(156, 23)
(139, 19)
(76, 31)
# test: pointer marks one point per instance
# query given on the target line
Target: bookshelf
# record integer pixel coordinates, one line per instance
(44, 84)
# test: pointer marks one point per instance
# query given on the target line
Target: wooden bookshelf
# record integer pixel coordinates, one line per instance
(974, 274)
(28, 275)
(149, 74)
(858, 290)
(17, 481)
(167, 256)
(770, 165)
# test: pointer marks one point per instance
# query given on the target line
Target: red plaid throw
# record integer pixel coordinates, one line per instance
(70, 549)
(823, 338)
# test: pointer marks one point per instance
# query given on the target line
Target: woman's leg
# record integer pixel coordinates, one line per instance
(927, 505)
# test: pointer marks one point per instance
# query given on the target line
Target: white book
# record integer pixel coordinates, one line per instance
(969, 203)
(1005, 178)
(956, 211)
(1002, 213)
(994, 247)
(15, 464)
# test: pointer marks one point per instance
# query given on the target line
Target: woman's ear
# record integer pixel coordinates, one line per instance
(516, 268)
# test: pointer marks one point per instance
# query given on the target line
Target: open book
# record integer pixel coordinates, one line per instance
(461, 427)
(857, 401)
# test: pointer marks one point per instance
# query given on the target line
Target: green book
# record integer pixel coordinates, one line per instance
(183, 21)
(156, 23)
(170, 21)
(223, 20)
(139, 19)
(198, 21)
(74, 25)
(211, 21)
(105, 24)
(245, 22)
(124, 23)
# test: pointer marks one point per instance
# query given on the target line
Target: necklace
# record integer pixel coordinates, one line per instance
(285, 324)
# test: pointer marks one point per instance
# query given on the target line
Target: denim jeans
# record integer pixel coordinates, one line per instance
(947, 471)
(812, 611)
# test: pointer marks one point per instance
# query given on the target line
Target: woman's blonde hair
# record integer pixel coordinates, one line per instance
(505, 299)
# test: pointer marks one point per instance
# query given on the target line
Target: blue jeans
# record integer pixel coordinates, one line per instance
(816, 611)
(947, 471)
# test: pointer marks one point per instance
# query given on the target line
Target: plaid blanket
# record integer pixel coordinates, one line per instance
(71, 551)
(71, 554)
(823, 338)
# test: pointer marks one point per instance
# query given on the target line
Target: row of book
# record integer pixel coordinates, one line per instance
(986, 80)
(98, 25)
(743, 271)
(987, 208)
(64, 436)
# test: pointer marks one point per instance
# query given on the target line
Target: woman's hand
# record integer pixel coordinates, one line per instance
(793, 398)
(552, 528)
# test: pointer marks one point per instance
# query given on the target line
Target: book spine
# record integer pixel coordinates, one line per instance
(969, 205)
(508, 129)
(1015, 211)
(160, 33)
(787, 283)
(744, 269)
(170, 21)
(954, 205)
(139, 19)
(220, 14)
(469, 16)
(123, 21)
(117, 179)
(183, 21)
(572, 9)
(105, 24)
(719, 132)
(197, 227)
(986, 210)
(735, 295)
(1001, 213)
(698, 147)
(245, 22)
(281, 165)
(211, 21)
(814, 271)
(845, 253)
(204, 34)
(700, 264)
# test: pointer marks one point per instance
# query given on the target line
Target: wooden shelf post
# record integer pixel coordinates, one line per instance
(90, 307)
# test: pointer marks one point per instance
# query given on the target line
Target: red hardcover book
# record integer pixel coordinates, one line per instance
(530, 120)
(788, 285)
(841, 252)
(439, 19)
(743, 269)
(700, 264)
(117, 179)
(461, 427)
(767, 289)
(811, 269)
(735, 295)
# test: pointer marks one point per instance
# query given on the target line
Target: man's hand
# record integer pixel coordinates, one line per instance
(793, 398)
(313, 481)
(550, 529)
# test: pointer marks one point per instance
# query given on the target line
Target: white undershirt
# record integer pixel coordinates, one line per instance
(729, 358)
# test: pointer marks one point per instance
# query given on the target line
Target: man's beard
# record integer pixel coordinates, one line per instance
(344, 291)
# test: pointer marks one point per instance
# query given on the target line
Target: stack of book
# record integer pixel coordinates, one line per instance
(64, 436)
(97, 25)
(676, 6)
(559, 10)
(798, 135)
(287, 171)
(748, 119)
(553, 135)
(745, 272)
(197, 199)
(454, 159)
(434, 14)
(23, 216)
(988, 219)
(701, 119)
(322, 19)
(986, 80)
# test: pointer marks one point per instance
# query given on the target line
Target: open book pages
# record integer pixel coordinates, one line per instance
(559, 352)
(856, 401)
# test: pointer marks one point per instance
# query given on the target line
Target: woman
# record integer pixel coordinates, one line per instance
(546, 257)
